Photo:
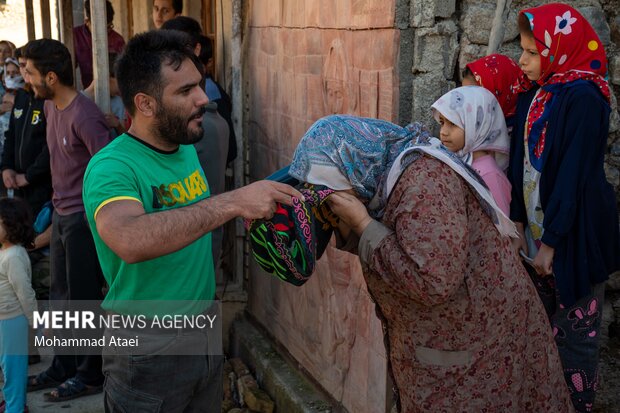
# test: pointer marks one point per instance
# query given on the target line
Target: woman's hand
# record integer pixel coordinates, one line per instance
(519, 243)
(350, 210)
(344, 230)
(543, 262)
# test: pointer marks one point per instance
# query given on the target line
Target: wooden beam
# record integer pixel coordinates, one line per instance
(207, 16)
(30, 20)
(46, 23)
(66, 27)
(121, 18)
(101, 68)
(130, 31)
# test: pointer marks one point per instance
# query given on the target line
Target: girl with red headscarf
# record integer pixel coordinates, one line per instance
(562, 203)
(496, 73)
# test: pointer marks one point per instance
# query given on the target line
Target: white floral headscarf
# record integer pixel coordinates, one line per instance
(475, 110)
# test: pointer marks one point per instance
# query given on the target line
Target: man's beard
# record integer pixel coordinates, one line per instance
(42, 91)
(173, 128)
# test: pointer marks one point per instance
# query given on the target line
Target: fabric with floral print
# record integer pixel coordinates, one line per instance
(569, 50)
(466, 329)
(497, 73)
(533, 206)
(349, 152)
(433, 147)
(576, 329)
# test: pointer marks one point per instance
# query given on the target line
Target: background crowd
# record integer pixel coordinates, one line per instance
(486, 249)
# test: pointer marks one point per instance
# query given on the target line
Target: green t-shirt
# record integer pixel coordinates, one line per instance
(128, 168)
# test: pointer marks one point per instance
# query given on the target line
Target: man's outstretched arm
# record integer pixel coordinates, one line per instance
(136, 236)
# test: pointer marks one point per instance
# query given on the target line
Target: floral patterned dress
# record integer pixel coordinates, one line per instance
(467, 332)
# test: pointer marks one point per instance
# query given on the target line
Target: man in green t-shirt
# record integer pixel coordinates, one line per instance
(148, 205)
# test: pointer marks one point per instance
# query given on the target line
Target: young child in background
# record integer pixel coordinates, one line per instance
(12, 77)
(496, 73)
(564, 208)
(473, 127)
(117, 117)
(17, 300)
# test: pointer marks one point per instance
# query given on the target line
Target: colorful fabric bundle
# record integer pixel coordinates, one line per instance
(289, 244)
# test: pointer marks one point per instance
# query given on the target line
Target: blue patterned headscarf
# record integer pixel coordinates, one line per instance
(368, 155)
(345, 152)
(348, 152)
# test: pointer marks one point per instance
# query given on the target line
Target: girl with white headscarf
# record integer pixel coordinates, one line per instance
(474, 128)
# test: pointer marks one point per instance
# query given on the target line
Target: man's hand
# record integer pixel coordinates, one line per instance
(8, 177)
(43, 239)
(519, 243)
(543, 262)
(135, 236)
(350, 210)
(112, 120)
(21, 180)
(258, 200)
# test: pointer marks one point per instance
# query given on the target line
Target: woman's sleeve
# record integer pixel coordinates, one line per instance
(425, 256)
(587, 123)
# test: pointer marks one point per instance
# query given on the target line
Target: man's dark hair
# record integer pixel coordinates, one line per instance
(177, 5)
(17, 221)
(19, 52)
(49, 55)
(206, 49)
(186, 25)
(138, 69)
(109, 10)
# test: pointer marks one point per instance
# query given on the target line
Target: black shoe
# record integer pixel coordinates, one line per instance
(41, 381)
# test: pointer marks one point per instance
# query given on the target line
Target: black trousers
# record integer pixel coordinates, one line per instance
(75, 275)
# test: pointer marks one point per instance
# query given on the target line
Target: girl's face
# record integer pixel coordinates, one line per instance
(5, 51)
(11, 70)
(452, 136)
(530, 58)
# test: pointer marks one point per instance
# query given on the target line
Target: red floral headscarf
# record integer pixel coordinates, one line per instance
(497, 73)
(569, 50)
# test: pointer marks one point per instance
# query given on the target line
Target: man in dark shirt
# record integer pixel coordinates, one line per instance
(76, 130)
(26, 159)
(83, 42)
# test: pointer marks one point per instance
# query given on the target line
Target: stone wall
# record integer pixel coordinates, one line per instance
(304, 59)
(449, 34)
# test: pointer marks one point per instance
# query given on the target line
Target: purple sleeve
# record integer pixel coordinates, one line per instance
(94, 132)
(116, 42)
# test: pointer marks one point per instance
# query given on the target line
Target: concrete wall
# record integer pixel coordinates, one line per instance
(474, 19)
